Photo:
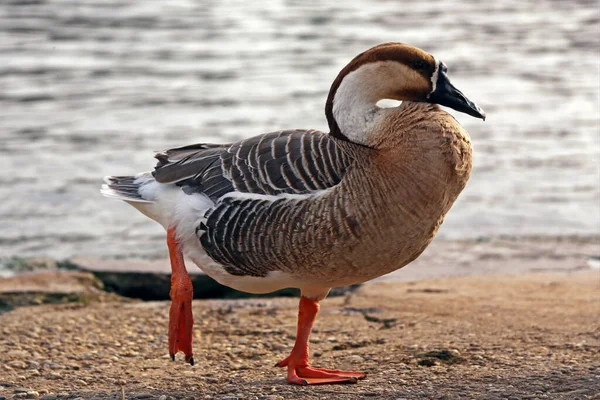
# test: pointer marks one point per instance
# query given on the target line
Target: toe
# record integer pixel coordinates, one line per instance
(306, 375)
(311, 372)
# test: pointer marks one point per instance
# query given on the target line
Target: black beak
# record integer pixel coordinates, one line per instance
(447, 95)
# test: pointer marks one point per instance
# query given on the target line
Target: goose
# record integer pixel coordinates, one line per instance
(311, 210)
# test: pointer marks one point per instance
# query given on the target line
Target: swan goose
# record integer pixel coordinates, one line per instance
(310, 210)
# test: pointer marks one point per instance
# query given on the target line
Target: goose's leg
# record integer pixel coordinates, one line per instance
(299, 372)
(181, 320)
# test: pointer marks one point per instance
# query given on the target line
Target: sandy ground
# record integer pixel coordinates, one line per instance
(488, 337)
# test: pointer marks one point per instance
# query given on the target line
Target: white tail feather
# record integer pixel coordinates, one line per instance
(125, 188)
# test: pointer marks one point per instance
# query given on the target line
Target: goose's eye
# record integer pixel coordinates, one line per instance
(419, 65)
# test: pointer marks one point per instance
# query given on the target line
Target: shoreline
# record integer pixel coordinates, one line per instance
(482, 337)
(148, 279)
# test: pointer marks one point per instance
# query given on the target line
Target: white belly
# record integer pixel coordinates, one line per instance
(172, 207)
(274, 280)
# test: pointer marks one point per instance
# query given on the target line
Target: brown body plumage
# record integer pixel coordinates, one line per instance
(383, 213)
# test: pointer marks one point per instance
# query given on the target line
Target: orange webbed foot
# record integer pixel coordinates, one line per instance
(299, 372)
(307, 375)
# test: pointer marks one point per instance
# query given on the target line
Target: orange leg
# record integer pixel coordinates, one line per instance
(299, 372)
(181, 320)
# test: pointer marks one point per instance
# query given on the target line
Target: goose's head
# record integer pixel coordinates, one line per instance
(388, 71)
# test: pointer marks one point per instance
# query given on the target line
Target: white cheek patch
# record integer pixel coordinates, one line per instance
(388, 103)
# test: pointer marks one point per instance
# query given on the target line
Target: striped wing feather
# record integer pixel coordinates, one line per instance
(292, 162)
(243, 232)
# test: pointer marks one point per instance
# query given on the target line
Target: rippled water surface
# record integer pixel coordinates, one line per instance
(92, 88)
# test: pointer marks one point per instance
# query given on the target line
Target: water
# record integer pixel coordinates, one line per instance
(92, 88)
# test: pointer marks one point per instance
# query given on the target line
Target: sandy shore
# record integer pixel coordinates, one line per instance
(487, 337)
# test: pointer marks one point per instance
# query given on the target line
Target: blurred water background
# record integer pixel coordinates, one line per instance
(93, 88)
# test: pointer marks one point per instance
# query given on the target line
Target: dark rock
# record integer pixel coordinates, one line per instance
(387, 322)
(141, 396)
(70, 281)
(427, 290)
(151, 280)
(154, 286)
(428, 362)
(362, 310)
(432, 358)
(48, 287)
(341, 291)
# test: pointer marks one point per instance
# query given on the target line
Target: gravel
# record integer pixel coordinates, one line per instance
(492, 337)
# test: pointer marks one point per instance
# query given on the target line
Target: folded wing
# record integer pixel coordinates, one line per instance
(290, 162)
(250, 231)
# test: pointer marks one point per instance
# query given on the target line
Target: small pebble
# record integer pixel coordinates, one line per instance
(142, 396)
(19, 354)
(32, 394)
(33, 364)
(17, 364)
